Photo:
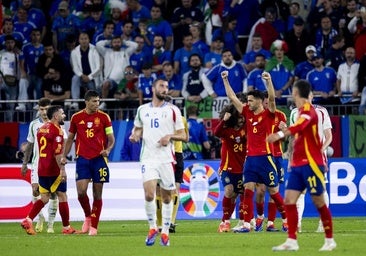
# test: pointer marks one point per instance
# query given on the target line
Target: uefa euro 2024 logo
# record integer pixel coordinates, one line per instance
(200, 190)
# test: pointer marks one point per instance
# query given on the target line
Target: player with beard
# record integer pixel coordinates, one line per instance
(158, 123)
(51, 170)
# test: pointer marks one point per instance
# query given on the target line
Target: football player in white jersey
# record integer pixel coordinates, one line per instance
(158, 123)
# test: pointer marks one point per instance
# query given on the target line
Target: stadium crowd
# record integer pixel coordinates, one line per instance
(59, 49)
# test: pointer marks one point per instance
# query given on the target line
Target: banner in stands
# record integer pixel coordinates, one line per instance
(357, 135)
(201, 192)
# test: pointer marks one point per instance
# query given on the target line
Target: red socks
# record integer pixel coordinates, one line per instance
(84, 202)
(37, 207)
(65, 213)
(95, 215)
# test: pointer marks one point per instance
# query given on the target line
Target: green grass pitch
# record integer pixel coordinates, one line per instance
(194, 237)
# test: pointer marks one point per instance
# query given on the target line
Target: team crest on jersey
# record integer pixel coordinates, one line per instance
(97, 121)
(259, 119)
(227, 179)
(58, 139)
(89, 124)
(237, 139)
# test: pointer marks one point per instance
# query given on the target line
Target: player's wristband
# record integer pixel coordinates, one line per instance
(281, 134)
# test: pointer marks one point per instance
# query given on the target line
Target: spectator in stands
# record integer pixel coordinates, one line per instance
(213, 15)
(55, 86)
(323, 81)
(158, 26)
(23, 25)
(115, 59)
(230, 36)
(141, 55)
(182, 18)
(106, 34)
(350, 13)
(63, 25)
(47, 58)
(146, 79)
(95, 22)
(137, 12)
(325, 35)
(66, 57)
(195, 30)
(127, 94)
(281, 69)
(335, 55)
(294, 9)
(322, 9)
(128, 31)
(212, 81)
(280, 6)
(31, 53)
(193, 89)
(174, 81)
(361, 77)
(13, 88)
(266, 29)
(213, 57)
(86, 64)
(35, 16)
(297, 39)
(303, 68)
(160, 56)
(347, 82)
(181, 56)
(249, 59)
(357, 27)
(255, 81)
(198, 141)
(117, 8)
(8, 29)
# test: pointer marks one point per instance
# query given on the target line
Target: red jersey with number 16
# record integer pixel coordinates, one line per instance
(258, 127)
(307, 144)
(51, 141)
(90, 130)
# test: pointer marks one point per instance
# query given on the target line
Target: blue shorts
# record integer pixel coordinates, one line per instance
(306, 177)
(95, 169)
(51, 184)
(261, 169)
(280, 170)
(235, 179)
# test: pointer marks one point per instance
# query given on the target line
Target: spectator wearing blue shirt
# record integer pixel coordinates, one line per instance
(198, 140)
(141, 55)
(323, 81)
(213, 57)
(137, 12)
(8, 29)
(145, 81)
(281, 69)
(255, 81)
(31, 53)
(195, 30)
(106, 34)
(324, 35)
(63, 25)
(94, 23)
(249, 58)
(230, 36)
(160, 56)
(174, 82)
(303, 68)
(158, 26)
(212, 79)
(181, 56)
(36, 16)
(23, 25)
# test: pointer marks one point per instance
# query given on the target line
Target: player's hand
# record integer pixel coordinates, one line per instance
(133, 138)
(282, 125)
(224, 74)
(105, 152)
(273, 138)
(24, 169)
(164, 141)
(227, 116)
(266, 76)
(63, 175)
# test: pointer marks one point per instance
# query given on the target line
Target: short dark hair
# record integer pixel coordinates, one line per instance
(52, 110)
(233, 120)
(304, 88)
(256, 94)
(44, 102)
(192, 110)
(90, 94)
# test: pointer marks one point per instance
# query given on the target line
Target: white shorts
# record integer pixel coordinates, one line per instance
(163, 172)
(34, 176)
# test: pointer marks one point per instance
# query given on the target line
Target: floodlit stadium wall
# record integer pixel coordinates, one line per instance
(201, 191)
